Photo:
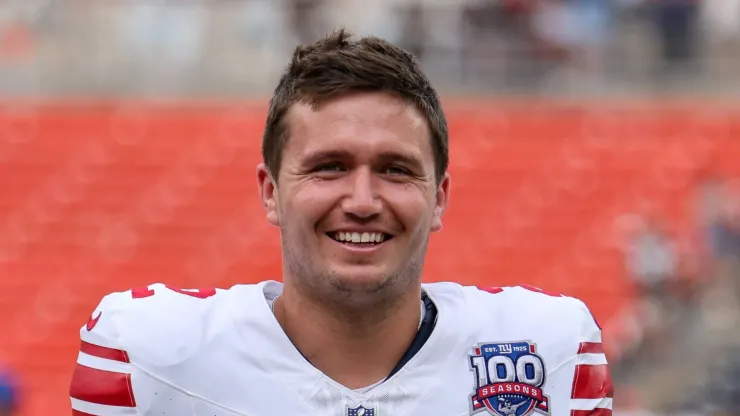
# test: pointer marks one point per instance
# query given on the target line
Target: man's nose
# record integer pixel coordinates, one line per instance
(362, 200)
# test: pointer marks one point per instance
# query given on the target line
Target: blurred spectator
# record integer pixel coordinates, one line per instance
(413, 32)
(17, 48)
(730, 241)
(307, 19)
(676, 22)
(8, 394)
(723, 386)
(694, 272)
(719, 218)
(579, 28)
(575, 31)
(652, 260)
(498, 43)
(721, 24)
(711, 203)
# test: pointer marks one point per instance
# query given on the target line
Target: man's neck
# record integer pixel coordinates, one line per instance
(354, 353)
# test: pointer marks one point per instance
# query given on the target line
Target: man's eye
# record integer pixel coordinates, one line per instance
(396, 170)
(329, 167)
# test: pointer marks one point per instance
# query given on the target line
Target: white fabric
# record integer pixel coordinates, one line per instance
(226, 355)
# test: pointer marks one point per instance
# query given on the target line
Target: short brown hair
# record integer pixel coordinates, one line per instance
(337, 65)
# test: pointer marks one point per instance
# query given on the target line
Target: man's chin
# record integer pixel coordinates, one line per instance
(360, 278)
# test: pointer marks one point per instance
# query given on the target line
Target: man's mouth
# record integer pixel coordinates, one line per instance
(359, 238)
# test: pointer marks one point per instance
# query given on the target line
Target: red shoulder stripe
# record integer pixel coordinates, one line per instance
(104, 352)
(591, 348)
(592, 382)
(595, 412)
(102, 387)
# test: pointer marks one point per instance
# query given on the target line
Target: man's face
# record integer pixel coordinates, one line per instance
(360, 167)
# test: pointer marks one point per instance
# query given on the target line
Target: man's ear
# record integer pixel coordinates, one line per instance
(442, 201)
(268, 194)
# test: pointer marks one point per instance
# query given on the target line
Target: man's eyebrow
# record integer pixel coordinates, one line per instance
(319, 156)
(407, 159)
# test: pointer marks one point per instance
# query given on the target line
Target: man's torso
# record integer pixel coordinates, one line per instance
(222, 353)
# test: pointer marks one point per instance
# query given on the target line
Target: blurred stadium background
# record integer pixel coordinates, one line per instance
(595, 148)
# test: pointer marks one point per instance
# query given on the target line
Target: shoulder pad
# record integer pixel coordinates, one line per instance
(538, 308)
(157, 323)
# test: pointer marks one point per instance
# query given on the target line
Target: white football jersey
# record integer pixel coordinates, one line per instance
(505, 351)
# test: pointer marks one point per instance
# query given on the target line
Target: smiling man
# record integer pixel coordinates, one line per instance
(355, 177)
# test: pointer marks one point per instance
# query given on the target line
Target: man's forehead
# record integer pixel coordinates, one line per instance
(362, 109)
(355, 103)
(345, 123)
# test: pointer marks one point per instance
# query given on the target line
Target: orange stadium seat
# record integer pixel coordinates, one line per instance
(105, 198)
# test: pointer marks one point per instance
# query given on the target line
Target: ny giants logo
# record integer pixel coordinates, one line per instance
(508, 380)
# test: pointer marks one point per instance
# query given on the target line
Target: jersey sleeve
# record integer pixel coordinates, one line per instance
(581, 385)
(107, 380)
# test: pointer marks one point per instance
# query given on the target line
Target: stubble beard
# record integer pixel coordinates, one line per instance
(347, 299)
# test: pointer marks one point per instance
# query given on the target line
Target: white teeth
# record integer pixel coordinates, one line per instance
(359, 237)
